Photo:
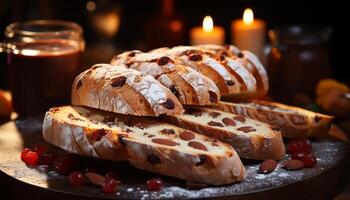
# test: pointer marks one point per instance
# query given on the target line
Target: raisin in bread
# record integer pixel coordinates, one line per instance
(200, 61)
(188, 85)
(147, 143)
(122, 90)
(293, 122)
(249, 61)
(250, 138)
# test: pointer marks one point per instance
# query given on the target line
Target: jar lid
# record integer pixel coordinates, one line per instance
(42, 28)
(300, 34)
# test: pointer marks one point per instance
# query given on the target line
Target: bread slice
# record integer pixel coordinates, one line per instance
(250, 138)
(250, 62)
(200, 61)
(233, 66)
(188, 85)
(122, 90)
(147, 143)
(293, 122)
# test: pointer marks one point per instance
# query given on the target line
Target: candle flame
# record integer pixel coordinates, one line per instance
(208, 24)
(248, 16)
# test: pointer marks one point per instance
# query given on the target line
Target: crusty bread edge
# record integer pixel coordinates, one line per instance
(288, 130)
(71, 137)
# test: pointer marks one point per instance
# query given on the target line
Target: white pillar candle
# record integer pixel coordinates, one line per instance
(207, 34)
(249, 33)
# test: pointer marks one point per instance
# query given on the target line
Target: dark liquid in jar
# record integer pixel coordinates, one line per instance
(41, 75)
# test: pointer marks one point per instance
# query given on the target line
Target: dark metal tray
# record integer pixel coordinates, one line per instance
(327, 176)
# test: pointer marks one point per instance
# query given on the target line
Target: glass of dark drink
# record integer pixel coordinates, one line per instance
(43, 57)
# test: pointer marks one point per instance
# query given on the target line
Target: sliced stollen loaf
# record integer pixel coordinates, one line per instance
(233, 66)
(249, 61)
(197, 59)
(250, 138)
(188, 85)
(122, 90)
(293, 122)
(147, 143)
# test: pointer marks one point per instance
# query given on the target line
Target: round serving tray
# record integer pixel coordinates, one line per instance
(320, 182)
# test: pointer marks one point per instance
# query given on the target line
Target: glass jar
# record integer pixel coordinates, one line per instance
(43, 57)
(298, 59)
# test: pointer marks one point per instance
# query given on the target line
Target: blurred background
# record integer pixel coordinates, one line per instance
(111, 26)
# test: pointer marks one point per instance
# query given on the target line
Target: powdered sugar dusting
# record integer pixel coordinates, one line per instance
(247, 77)
(151, 89)
(258, 66)
(201, 84)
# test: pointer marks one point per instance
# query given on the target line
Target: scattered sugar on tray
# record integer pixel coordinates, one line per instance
(260, 176)
(282, 175)
(277, 178)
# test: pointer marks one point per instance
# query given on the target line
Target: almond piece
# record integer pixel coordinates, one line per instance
(212, 123)
(228, 122)
(197, 145)
(163, 141)
(214, 114)
(187, 135)
(267, 166)
(292, 165)
(239, 118)
(95, 178)
(246, 129)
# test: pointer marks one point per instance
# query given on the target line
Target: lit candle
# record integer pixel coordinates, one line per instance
(208, 33)
(249, 33)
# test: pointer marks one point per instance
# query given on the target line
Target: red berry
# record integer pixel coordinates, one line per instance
(24, 151)
(64, 164)
(46, 159)
(40, 149)
(154, 184)
(76, 178)
(109, 186)
(111, 174)
(31, 158)
(299, 146)
(309, 159)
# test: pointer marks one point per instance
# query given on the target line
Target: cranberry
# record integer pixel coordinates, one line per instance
(40, 149)
(109, 186)
(76, 178)
(24, 151)
(299, 146)
(64, 164)
(154, 184)
(31, 158)
(46, 159)
(308, 159)
(111, 174)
